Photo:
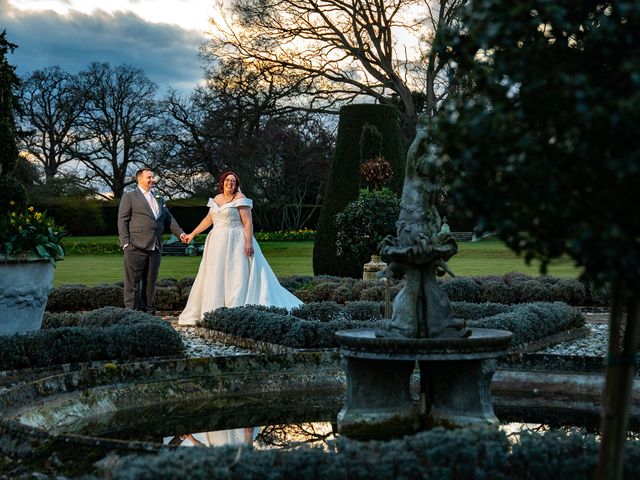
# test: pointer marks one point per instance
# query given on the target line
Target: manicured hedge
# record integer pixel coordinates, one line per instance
(478, 453)
(170, 295)
(512, 288)
(313, 325)
(344, 178)
(509, 288)
(276, 326)
(107, 334)
(530, 321)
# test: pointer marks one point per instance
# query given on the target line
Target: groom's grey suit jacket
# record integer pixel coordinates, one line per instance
(137, 225)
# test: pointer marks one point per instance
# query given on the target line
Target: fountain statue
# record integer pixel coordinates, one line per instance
(455, 363)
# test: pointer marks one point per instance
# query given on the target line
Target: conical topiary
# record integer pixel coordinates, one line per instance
(344, 184)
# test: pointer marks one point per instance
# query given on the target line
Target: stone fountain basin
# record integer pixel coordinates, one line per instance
(53, 407)
(46, 404)
(367, 343)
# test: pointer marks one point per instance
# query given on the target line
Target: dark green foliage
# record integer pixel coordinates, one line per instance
(496, 291)
(323, 292)
(81, 297)
(531, 321)
(555, 454)
(364, 310)
(295, 282)
(373, 294)
(362, 225)
(168, 298)
(370, 142)
(476, 311)
(108, 334)
(79, 216)
(320, 312)
(279, 328)
(546, 153)
(314, 325)
(473, 453)
(172, 294)
(343, 183)
(102, 317)
(13, 195)
(462, 289)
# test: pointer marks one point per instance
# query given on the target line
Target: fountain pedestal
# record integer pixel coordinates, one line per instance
(455, 381)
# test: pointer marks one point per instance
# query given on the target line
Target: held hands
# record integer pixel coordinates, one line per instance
(184, 238)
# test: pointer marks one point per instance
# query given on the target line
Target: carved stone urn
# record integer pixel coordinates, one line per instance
(371, 268)
(24, 288)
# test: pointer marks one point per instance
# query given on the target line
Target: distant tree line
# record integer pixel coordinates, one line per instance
(275, 76)
(89, 132)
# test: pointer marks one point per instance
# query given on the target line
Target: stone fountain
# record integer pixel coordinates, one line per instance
(455, 363)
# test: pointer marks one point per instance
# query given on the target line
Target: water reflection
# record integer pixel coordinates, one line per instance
(218, 438)
(282, 421)
(284, 436)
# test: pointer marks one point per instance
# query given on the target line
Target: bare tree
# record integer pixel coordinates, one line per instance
(342, 49)
(51, 103)
(439, 81)
(242, 120)
(119, 124)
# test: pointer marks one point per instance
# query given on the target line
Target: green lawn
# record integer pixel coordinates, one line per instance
(290, 258)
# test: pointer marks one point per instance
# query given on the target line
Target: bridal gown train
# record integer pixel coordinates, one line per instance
(227, 277)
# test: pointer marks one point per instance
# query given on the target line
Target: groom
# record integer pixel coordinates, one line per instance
(142, 219)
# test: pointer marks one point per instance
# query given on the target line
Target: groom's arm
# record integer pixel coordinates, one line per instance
(172, 224)
(124, 217)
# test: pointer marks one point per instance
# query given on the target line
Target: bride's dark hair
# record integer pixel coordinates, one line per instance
(223, 178)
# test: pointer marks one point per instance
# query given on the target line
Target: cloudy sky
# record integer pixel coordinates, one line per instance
(159, 36)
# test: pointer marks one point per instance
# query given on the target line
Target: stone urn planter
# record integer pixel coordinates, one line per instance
(25, 284)
(371, 268)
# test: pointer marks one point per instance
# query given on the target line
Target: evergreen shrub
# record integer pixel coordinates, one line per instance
(531, 321)
(280, 328)
(320, 312)
(361, 226)
(479, 453)
(364, 310)
(124, 340)
(313, 325)
(78, 215)
(102, 317)
(343, 183)
(462, 289)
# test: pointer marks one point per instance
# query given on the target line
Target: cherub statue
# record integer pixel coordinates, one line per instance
(421, 250)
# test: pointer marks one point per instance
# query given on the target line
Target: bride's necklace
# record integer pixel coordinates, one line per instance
(228, 199)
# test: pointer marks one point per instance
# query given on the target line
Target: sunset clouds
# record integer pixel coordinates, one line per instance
(73, 39)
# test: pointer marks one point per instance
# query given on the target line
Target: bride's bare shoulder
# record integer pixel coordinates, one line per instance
(240, 195)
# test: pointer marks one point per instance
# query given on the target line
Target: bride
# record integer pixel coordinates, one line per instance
(233, 270)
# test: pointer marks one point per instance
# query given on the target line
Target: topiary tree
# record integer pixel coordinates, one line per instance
(13, 195)
(546, 154)
(370, 142)
(343, 184)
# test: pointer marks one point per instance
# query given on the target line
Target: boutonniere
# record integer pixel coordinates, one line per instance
(160, 201)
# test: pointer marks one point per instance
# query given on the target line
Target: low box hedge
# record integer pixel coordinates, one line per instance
(508, 289)
(314, 325)
(480, 453)
(106, 334)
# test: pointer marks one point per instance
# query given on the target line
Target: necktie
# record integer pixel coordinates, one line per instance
(153, 204)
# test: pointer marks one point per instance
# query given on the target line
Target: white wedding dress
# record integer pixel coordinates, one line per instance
(227, 277)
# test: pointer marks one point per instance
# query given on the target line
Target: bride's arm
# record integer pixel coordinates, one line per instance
(204, 224)
(245, 215)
